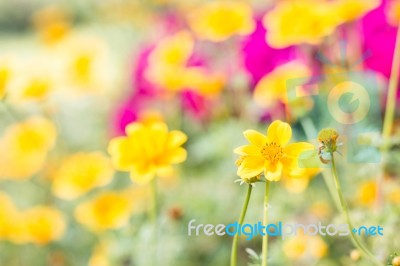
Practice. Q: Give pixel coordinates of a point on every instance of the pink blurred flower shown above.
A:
(379, 40)
(260, 58)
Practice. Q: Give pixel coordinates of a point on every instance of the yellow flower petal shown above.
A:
(296, 149)
(133, 128)
(217, 21)
(123, 154)
(273, 172)
(142, 174)
(175, 156)
(251, 166)
(279, 132)
(254, 137)
(175, 139)
(248, 150)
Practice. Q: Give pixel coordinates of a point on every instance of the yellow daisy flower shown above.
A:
(24, 147)
(272, 88)
(8, 213)
(303, 246)
(350, 10)
(108, 210)
(217, 21)
(271, 154)
(297, 22)
(147, 150)
(44, 224)
(81, 172)
(368, 193)
(173, 50)
(6, 73)
(52, 23)
(168, 67)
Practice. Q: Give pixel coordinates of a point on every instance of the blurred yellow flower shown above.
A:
(100, 255)
(5, 76)
(271, 154)
(302, 246)
(394, 195)
(217, 21)
(199, 80)
(350, 10)
(52, 23)
(296, 22)
(173, 50)
(81, 172)
(168, 67)
(8, 214)
(24, 147)
(393, 12)
(299, 183)
(44, 224)
(321, 209)
(108, 210)
(33, 78)
(147, 150)
(86, 65)
(272, 88)
(367, 193)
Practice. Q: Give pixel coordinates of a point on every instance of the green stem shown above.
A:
(11, 114)
(389, 111)
(311, 133)
(393, 83)
(154, 215)
(241, 219)
(154, 207)
(264, 258)
(356, 241)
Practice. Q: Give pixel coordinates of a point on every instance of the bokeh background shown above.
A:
(74, 74)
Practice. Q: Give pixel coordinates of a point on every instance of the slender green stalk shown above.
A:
(389, 110)
(154, 216)
(311, 132)
(154, 207)
(241, 219)
(356, 241)
(264, 258)
(10, 113)
(393, 83)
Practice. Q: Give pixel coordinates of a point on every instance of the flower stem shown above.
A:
(154, 216)
(154, 207)
(265, 222)
(356, 241)
(393, 83)
(389, 111)
(11, 114)
(241, 219)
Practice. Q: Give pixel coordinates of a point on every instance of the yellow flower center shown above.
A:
(82, 67)
(272, 152)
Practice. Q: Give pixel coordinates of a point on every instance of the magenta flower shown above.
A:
(259, 58)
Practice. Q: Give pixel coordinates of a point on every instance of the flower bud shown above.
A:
(396, 261)
(327, 138)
